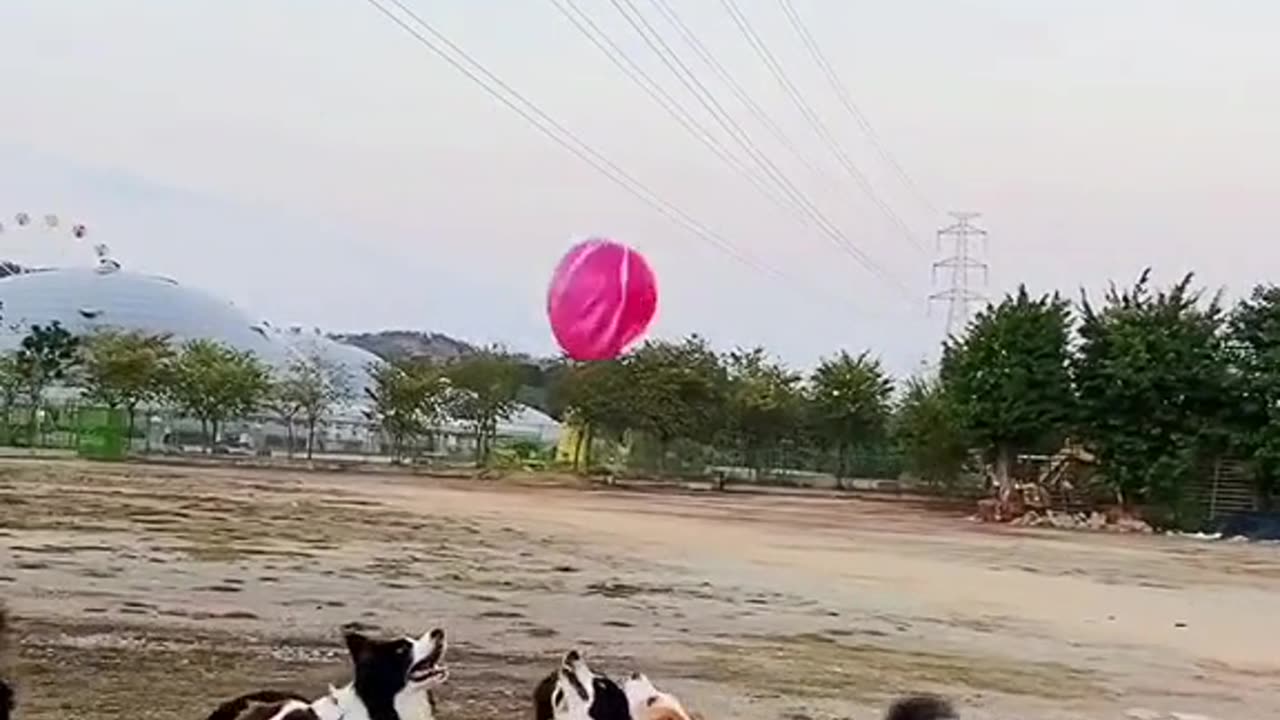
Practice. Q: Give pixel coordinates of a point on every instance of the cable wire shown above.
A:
(779, 74)
(695, 86)
(516, 102)
(846, 99)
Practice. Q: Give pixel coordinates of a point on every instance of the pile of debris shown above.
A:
(1118, 522)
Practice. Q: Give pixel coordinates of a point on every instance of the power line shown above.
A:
(797, 98)
(695, 86)
(846, 99)
(708, 58)
(616, 55)
(516, 102)
(960, 264)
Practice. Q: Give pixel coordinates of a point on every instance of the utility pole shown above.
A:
(960, 265)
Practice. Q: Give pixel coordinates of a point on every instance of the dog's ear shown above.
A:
(357, 644)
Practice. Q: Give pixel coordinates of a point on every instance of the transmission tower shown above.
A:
(960, 265)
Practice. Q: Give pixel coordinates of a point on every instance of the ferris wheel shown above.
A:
(24, 225)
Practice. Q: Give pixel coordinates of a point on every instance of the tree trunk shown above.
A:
(311, 436)
(1004, 466)
(213, 438)
(204, 434)
(290, 437)
(128, 441)
(579, 443)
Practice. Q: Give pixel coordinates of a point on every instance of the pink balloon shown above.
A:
(603, 296)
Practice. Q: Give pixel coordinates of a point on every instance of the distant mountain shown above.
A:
(409, 344)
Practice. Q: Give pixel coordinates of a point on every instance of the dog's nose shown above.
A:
(573, 657)
(635, 676)
(437, 635)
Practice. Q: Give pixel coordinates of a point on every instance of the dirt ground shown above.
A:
(155, 592)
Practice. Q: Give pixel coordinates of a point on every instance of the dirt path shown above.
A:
(160, 587)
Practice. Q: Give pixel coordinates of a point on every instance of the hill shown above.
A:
(409, 344)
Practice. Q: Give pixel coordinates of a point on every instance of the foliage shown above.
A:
(215, 383)
(310, 388)
(595, 397)
(763, 405)
(678, 391)
(47, 354)
(1254, 328)
(485, 385)
(123, 369)
(928, 433)
(1009, 377)
(406, 400)
(849, 404)
(1154, 384)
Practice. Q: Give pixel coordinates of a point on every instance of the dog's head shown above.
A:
(921, 707)
(390, 672)
(575, 692)
(647, 702)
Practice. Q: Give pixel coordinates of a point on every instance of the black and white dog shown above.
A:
(6, 690)
(575, 692)
(393, 681)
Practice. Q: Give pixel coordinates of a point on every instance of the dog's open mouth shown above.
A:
(427, 669)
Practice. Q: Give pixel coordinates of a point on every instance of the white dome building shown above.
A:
(84, 299)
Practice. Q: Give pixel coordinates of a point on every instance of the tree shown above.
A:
(48, 353)
(485, 386)
(1009, 377)
(1154, 387)
(1254, 334)
(284, 399)
(677, 392)
(849, 404)
(11, 385)
(317, 385)
(928, 433)
(763, 407)
(123, 369)
(596, 396)
(215, 383)
(406, 400)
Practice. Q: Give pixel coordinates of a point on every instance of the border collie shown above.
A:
(393, 681)
(7, 701)
(574, 692)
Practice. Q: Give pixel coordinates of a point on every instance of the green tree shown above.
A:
(11, 385)
(1154, 385)
(124, 369)
(215, 383)
(849, 405)
(1009, 377)
(319, 385)
(763, 405)
(485, 385)
(47, 355)
(406, 400)
(928, 433)
(1254, 334)
(677, 392)
(595, 396)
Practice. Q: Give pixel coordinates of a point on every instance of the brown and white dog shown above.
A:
(393, 681)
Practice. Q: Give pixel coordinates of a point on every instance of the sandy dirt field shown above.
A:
(155, 592)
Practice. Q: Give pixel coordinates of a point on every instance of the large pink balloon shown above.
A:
(602, 298)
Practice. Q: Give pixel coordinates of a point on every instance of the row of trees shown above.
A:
(212, 383)
(1156, 381)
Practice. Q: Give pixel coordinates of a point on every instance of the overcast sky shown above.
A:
(312, 162)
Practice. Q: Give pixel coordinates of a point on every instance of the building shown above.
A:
(85, 299)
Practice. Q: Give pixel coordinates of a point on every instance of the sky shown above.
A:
(315, 164)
